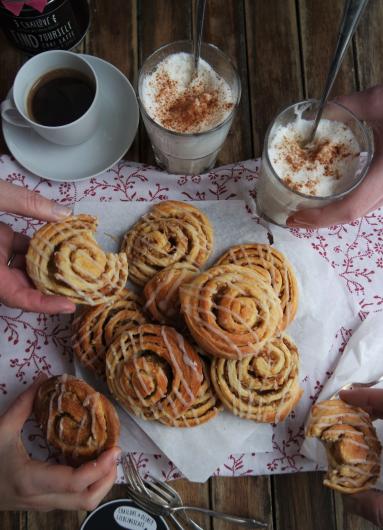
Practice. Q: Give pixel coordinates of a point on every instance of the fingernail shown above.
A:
(60, 211)
(41, 377)
(296, 222)
(68, 310)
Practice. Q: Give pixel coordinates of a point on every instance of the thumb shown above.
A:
(21, 201)
(366, 105)
(369, 399)
(367, 504)
(20, 410)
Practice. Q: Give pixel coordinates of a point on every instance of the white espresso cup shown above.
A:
(14, 110)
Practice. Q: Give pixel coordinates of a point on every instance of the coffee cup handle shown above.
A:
(10, 114)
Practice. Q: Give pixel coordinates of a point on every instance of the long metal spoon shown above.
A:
(351, 15)
(197, 34)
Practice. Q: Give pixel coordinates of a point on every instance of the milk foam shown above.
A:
(179, 104)
(322, 170)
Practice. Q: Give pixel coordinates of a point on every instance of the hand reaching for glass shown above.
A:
(16, 290)
(368, 106)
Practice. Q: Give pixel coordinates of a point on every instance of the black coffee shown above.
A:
(60, 97)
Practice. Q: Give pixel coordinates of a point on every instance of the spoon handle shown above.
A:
(197, 33)
(351, 15)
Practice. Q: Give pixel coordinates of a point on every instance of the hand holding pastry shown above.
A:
(64, 258)
(16, 289)
(27, 484)
(367, 504)
(352, 447)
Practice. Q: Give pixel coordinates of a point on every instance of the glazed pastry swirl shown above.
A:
(162, 292)
(274, 267)
(231, 311)
(353, 449)
(96, 327)
(205, 407)
(64, 259)
(263, 387)
(153, 372)
(171, 232)
(76, 420)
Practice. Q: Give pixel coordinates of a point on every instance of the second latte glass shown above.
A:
(189, 152)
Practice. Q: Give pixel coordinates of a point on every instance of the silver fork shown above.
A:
(160, 507)
(137, 488)
(350, 386)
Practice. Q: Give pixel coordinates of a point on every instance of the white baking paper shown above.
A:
(323, 308)
(361, 362)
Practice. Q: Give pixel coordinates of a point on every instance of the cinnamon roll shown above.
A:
(64, 259)
(263, 387)
(162, 292)
(153, 372)
(205, 407)
(274, 267)
(172, 232)
(352, 447)
(96, 327)
(230, 310)
(76, 420)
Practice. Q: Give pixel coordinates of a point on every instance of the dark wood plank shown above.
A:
(247, 496)
(302, 502)
(56, 519)
(159, 22)
(197, 495)
(113, 37)
(319, 25)
(226, 29)
(369, 45)
(273, 62)
(10, 61)
(347, 521)
(13, 520)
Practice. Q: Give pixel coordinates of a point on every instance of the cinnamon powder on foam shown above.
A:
(198, 107)
(317, 170)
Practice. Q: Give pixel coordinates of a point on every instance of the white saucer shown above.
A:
(117, 128)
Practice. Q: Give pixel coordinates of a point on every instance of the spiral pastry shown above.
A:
(76, 420)
(263, 387)
(274, 267)
(64, 259)
(230, 311)
(352, 447)
(205, 407)
(162, 292)
(171, 232)
(96, 327)
(153, 372)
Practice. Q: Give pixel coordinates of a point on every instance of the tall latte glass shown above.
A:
(187, 118)
(294, 177)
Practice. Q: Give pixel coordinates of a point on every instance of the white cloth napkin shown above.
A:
(361, 362)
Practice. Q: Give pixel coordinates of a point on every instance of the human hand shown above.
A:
(367, 504)
(27, 484)
(368, 106)
(16, 290)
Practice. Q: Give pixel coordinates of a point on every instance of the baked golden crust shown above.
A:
(352, 447)
(172, 232)
(78, 421)
(96, 327)
(230, 310)
(153, 372)
(274, 267)
(205, 407)
(64, 259)
(263, 387)
(162, 292)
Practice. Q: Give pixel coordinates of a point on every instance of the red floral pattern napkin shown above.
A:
(30, 343)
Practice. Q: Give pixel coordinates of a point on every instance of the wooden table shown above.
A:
(282, 50)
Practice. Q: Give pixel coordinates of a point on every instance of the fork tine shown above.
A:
(164, 495)
(130, 473)
(165, 487)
